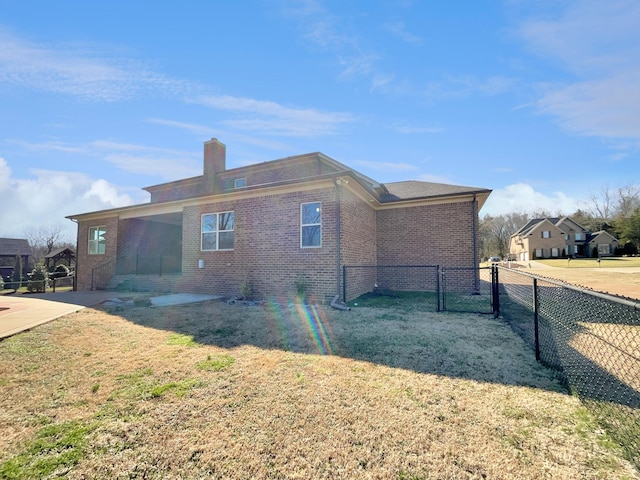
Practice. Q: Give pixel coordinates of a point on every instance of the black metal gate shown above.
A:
(469, 289)
(453, 289)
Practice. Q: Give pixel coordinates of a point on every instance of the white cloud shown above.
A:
(407, 129)
(79, 70)
(522, 198)
(458, 87)
(607, 108)
(141, 159)
(399, 29)
(271, 118)
(48, 196)
(336, 36)
(598, 44)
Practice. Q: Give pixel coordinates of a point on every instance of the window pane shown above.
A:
(311, 236)
(226, 241)
(209, 222)
(97, 243)
(208, 241)
(226, 221)
(311, 213)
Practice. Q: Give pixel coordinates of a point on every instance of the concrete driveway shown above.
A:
(22, 312)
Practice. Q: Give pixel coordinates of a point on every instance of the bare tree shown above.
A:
(43, 239)
(495, 232)
(602, 203)
(628, 200)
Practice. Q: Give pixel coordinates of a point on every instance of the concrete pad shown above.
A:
(23, 312)
(180, 298)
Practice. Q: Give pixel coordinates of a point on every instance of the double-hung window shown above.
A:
(217, 231)
(546, 234)
(311, 225)
(97, 243)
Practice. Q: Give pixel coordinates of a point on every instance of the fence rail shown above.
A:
(590, 338)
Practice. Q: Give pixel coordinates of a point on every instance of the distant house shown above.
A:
(559, 237)
(10, 248)
(273, 223)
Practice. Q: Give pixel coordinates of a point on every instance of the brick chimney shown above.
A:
(215, 154)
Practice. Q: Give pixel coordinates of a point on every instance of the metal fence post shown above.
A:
(495, 290)
(536, 331)
(437, 288)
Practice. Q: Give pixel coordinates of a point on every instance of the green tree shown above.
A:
(628, 228)
(17, 271)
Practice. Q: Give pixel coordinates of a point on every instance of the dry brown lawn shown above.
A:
(609, 277)
(223, 391)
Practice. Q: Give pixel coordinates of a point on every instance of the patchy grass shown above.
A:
(219, 391)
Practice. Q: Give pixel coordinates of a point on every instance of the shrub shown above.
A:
(245, 289)
(301, 286)
(38, 279)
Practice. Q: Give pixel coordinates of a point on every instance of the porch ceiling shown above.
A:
(174, 218)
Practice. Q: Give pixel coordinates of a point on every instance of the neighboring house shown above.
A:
(602, 242)
(10, 248)
(272, 223)
(558, 237)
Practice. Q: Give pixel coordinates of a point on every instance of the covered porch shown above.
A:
(150, 245)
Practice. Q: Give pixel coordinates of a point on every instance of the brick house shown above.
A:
(558, 237)
(271, 224)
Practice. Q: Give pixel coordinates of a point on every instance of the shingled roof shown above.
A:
(415, 189)
(14, 246)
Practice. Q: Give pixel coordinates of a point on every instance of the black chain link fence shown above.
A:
(454, 289)
(591, 339)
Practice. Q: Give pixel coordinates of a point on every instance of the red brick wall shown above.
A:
(358, 243)
(266, 250)
(85, 262)
(272, 174)
(427, 235)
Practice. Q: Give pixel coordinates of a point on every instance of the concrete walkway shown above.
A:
(22, 312)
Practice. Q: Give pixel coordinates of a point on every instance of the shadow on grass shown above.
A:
(397, 332)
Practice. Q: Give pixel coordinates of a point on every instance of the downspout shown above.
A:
(338, 232)
(334, 302)
(474, 222)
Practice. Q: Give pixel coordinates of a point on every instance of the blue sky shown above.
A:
(538, 100)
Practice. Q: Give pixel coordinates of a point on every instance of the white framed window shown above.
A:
(97, 242)
(539, 252)
(546, 234)
(604, 249)
(554, 252)
(239, 183)
(311, 225)
(579, 236)
(217, 231)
